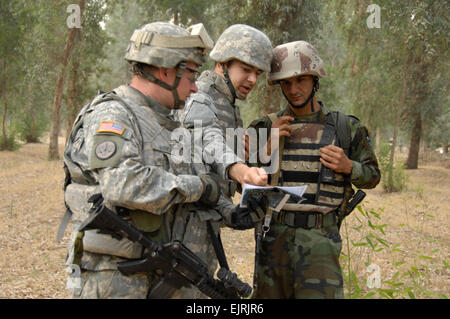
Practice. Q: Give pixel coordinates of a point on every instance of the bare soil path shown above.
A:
(31, 206)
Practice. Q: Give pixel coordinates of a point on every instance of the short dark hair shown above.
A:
(136, 68)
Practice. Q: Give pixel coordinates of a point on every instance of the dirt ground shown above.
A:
(416, 224)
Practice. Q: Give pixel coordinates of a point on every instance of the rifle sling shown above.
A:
(218, 247)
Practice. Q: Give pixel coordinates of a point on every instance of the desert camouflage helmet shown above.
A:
(244, 43)
(293, 59)
(163, 44)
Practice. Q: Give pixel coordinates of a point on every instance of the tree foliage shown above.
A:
(394, 78)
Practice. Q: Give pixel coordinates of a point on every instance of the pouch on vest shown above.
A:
(145, 221)
(104, 244)
(327, 175)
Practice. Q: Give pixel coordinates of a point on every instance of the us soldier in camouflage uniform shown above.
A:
(242, 53)
(327, 151)
(120, 146)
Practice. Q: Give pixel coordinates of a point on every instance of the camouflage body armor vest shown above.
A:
(78, 184)
(300, 165)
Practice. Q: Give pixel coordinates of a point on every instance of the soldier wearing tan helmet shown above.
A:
(119, 149)
(242, 53)
(327, 151)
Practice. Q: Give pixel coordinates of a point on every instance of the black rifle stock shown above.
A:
(356, 199)
(350, 206)
(180, 265)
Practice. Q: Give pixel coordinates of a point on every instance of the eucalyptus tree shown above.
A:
(15, 21)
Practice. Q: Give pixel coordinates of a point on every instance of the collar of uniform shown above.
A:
(213, 79)
(311, 117)
(161, 112)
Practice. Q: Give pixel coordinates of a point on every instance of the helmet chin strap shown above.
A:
(172, 88)
(228, 82)
(313, 92)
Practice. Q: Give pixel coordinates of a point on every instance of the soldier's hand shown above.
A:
(243, 174)
(283, 126)
(246, 218)
(211, 190)
(334, 158)
(255, 176)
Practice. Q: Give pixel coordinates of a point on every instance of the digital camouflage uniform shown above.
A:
(299, 256)
(120, 146)
(212, 87)
(215, 99)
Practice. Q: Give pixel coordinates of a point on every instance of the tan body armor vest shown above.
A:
(300, 165)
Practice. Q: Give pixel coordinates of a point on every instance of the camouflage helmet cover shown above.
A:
(246, 44)
(293, 59)
(163, 44)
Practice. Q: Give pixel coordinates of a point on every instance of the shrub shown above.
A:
(10, 144)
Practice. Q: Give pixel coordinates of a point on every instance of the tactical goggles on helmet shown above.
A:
(199, 38)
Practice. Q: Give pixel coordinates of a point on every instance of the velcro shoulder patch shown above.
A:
(111, 127)
(106, 151)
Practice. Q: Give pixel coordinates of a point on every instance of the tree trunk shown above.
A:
(414, 145)
(53, 152)
(272, 100)
(377, 140)
(31, 136)
(398, 113)
(4, 145)
(72, 95)
(268, 99)
(176, 17)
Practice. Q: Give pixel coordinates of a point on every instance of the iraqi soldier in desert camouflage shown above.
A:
(120, 147)
(327, 151)
(242, 53)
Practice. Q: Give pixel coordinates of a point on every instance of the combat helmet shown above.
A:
(294, 59)
(243, 43)
(163, 44)
(166, 45)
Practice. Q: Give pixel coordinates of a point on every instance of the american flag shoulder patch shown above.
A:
(111, 127)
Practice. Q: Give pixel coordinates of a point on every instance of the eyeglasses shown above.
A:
(196, 74)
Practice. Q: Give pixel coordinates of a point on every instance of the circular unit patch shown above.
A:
(105, 150)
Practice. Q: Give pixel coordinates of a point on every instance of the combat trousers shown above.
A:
(298, 263)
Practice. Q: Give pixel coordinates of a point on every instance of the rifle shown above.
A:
(181, 267)
(350, 206)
